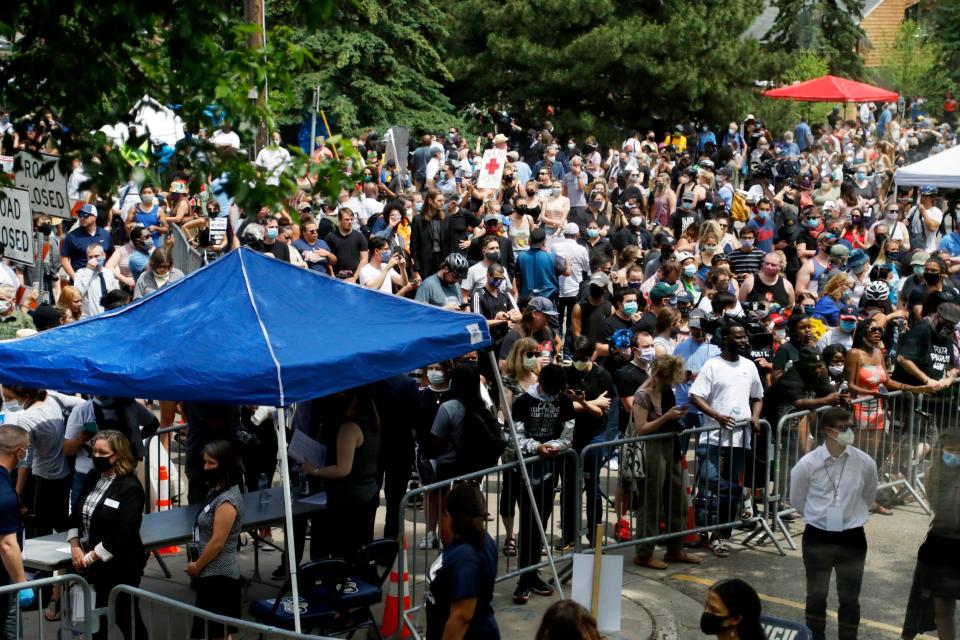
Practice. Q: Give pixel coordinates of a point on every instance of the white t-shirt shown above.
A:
(477, 278)
(81, 415)
(727, 387)
(835, 336)
(273, 160)
(933, 239)
(579, 260)
(369, 273)
(8, 275)
(225, 139)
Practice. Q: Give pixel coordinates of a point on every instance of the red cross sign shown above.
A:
(492, 166)
(494, 160)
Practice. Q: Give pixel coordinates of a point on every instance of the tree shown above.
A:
(944, 21)
(613, 61)
(783, 115)
(90, 61)
(376, 65)
(828, 27)
(914, 65)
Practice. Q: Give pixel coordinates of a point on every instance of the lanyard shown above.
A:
(836, 485)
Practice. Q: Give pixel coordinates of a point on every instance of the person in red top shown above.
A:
(950, 109)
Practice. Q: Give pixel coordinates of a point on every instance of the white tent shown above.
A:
(940, 170)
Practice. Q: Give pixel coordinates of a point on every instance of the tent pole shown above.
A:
(523, 471)
(288, 517)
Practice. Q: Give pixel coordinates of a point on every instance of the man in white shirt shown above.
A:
(729, 393)
(380, 273)
(833, 487)
(273, 158)
(924, 220)
(226, 137)
(577, 257)
(433, 166)
(93, 281)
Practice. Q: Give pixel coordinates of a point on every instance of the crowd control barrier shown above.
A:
(185, 257)
(77, 617)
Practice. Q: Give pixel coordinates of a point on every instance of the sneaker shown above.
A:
(521, 595)
(563, 546)
(539, 587)
(429, 541)
(621, 533)
(720, 548)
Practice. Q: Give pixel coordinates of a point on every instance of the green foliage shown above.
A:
(621, 62)
(783, 115)
(376, 64)
(945, 29)
(90, 61)
(828, 27)
(914, 65)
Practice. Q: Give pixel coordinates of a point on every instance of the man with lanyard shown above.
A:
(14, 443)
(808, 278)
(729, 393)
(833, 487)
(73, 249)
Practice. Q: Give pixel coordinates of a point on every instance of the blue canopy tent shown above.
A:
(247, 329)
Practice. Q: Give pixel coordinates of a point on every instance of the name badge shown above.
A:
(206, 509)
(113, 504)
(834, 518)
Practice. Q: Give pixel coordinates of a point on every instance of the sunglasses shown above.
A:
(309, 230)
(875, 329)
(531, 354)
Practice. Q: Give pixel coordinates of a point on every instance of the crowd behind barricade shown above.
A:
(703, 280)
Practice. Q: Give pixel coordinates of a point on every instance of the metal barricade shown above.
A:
(506, 497)
(168, 618)
(699, 481)
(185, 257)
(77, 617)
(933, 414)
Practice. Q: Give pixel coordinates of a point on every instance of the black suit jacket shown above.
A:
(421, 248)
(116, 528)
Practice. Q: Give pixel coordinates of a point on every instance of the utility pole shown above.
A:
(255, 14)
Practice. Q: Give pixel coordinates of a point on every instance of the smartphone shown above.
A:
(193, 551)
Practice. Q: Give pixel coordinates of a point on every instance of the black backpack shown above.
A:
(481, 442)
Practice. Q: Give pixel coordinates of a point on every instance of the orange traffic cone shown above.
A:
(692, 538)
(163, 503)
(391, 620)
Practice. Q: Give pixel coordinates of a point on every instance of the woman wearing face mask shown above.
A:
(688, 275)
(835, 295)
(668, 321)
(119, 262)
(521, 224)
(105, 530)
(529, 202)
(707, 247)
(826, 192)
(521, 371)
(664, 201)
(849, 200)
(865, 187)
(434, 391)
(732, 611)
(159, 273)
(865, 372)
(216, 571)
(937, 573)
(855, 231)
(148, 213)
(556, 206)
(835, 357)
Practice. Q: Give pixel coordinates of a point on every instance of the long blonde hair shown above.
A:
(126, 461)
(514, 365)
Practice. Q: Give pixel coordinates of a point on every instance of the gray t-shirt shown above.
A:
(575, 185)
(449, 424)
(44, 423)
(226, 562)
(434, 292)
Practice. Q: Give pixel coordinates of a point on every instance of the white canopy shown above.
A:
(941, 170)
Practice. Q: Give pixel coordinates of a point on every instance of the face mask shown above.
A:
(746, 244)
(101, 463)
(808, 309)
(771, 271)
(780, 334)
(531, 192)
(10, 406)
(555, 191)
(646, 354)
(848, 326)
(951, 459)
(596, 291)
(931, 278)
(273, 233)
(546, 397)
(596, 204)
(712, 624)
(5, 306)
(709, 248)
(530, 364)
(593, 233)
(880, 239)
(418, 207)
(762, 214)
(493, 256)
(571, 146)
(100, 263)
(45, 228)
(636, 221)
(861, 175)
(731, 132)
(496, 283)
(687, 204)
(435, 378)
(690, 270)
(943, 330)
(812, 223)
(385, 255)
(836, 370)
(147, 200)
(630, 308)
(894, 255)
(161, 280)
(891, 218)
(845, 438)
(918, 269)
(581, 366)
(855, 220)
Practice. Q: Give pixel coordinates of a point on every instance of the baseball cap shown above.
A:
(600, 279)
(45, 317)
(696, 318)
(663, 290)
(689, 196)
(543, 305)
(665, 239)
(491, 217)
(949, 312)
(776, 318)
(513, 156)
(684, 297)
(538, 236)
(809, 356)
(839, 251)
(680, 256)
(849, 313)
(571, 229)
(829, 205)
(920, 257)
(87, 210)
(750, 117)
(506, 209)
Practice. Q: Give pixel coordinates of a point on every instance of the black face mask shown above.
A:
(711, 624)
(493, 256)
(45, 228)
(596, 291)
(931, 278)
(943, 330)
(211, 476)
(101, 463)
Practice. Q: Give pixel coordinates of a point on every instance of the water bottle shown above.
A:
(264, 484)
(26, 597)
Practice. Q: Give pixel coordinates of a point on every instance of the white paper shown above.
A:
(491, 168)
(611, 586)
(319, 499)
(304, 449)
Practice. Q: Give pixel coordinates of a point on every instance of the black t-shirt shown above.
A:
(792, 386)
(628, 379)
(588, 313)
(542, 421)
(647, 322)
(927, 350)
(279, 250)
(787, 354)
(9, 515)
(347, 249)
(603, 246)
(592, 383)
(463, 572)
(489, 306)
(681, 220)
(791, 235)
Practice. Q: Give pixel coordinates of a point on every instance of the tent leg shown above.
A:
(523, 471)
(288, 517)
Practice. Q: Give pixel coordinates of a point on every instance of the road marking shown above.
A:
(707, 582)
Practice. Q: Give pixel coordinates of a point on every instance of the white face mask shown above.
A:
(161, 280)
(5, 306)
(646, 355)
(10, 406)
(845, 438)
(530, 364)
(836, 370)
(435, 378)
(581, 366)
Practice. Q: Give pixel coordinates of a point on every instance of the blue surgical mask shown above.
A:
(546, 397)
(100, 263)
(848, 326)
(593, 233)
(918, 269)
(951, 459)
(385, 255)
(418, 206)
(630, 308)
(273, 233)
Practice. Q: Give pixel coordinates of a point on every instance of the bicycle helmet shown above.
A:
(456, 263)
(877, 291)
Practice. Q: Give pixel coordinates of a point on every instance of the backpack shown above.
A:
(916, 229)
(481, 442)
(633, 462)
(738, 208)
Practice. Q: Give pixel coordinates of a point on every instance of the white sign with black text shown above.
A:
(16, 226)
(41, 176)
(218, 229)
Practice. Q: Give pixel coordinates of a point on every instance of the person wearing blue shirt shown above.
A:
(804, 135)
(950, 244)
(536, 269)
(763, 226)
(73, 249)
(315, 251)
(694, 352)
(706, 137)
(883, 121)
(460, 581)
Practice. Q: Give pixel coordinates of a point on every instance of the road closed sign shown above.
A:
(16, 225)
(46, 184)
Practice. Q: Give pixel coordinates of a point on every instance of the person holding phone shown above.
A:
(655, 411)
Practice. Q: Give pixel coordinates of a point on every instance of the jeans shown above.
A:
(720, 474)
(543, 481)
(824, 552)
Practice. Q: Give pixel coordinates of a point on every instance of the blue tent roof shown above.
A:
(247, 329)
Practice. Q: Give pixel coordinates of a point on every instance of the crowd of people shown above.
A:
(697, 279)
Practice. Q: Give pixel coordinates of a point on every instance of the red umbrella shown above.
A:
(832, 89)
